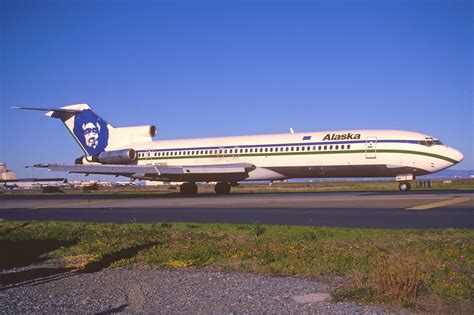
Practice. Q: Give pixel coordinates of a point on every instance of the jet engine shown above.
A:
(126, 156)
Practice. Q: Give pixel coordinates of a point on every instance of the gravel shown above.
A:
(146, 289)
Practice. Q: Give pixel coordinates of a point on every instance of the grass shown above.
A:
(430, 270)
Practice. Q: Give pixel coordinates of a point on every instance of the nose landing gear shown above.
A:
(404, 186)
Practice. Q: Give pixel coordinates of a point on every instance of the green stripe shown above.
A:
(297, 153)
(441, 157)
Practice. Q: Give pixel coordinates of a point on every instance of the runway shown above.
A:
(415, 209)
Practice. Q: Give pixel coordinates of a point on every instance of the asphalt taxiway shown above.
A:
(415, 209)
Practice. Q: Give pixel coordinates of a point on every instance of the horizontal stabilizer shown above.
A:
(64, 110)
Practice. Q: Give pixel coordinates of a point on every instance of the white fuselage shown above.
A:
(348, 153)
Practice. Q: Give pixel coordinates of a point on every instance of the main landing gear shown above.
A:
(222, 188)
(404, 186)
(188, 189)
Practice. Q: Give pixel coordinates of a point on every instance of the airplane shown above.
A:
(132, 152)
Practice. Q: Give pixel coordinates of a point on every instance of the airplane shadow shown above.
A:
(31, 252)
(20, 253)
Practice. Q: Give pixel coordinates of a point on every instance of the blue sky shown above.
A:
(214, 68)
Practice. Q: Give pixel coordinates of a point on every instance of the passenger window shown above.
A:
(348, 146)
(297, 148)
(330, 147)
(286, 149)
(337, 147)
(246, 150)
(271, 149)
(230, 151)
(302, 148)
(266, 149)
(292, 148)
(261, 149)
(342, 147)
(325, 147)
(319, 148)
(314, 148)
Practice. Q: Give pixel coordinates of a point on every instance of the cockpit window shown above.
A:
(429, 142)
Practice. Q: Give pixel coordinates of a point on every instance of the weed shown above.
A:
(166, 225)
(258, 229)
(399, 278)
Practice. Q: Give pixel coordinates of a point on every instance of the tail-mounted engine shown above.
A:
(126, 156)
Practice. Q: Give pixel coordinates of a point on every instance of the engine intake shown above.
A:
(126, 156)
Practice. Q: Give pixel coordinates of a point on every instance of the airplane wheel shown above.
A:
(404, 186)
(222, 188)
(188, 189)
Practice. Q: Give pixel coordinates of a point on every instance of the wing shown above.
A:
(196, 173)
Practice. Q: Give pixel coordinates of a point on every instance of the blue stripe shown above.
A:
(277, 145)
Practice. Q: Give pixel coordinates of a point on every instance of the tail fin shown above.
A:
(89, 130)
(93, 134)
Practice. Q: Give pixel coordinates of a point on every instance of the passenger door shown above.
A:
(371, 148)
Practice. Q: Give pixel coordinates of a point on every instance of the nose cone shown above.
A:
(456, 155)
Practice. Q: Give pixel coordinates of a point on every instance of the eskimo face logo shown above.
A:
(91, 134)
(91, 131)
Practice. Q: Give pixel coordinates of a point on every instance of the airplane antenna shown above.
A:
(291, 130)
